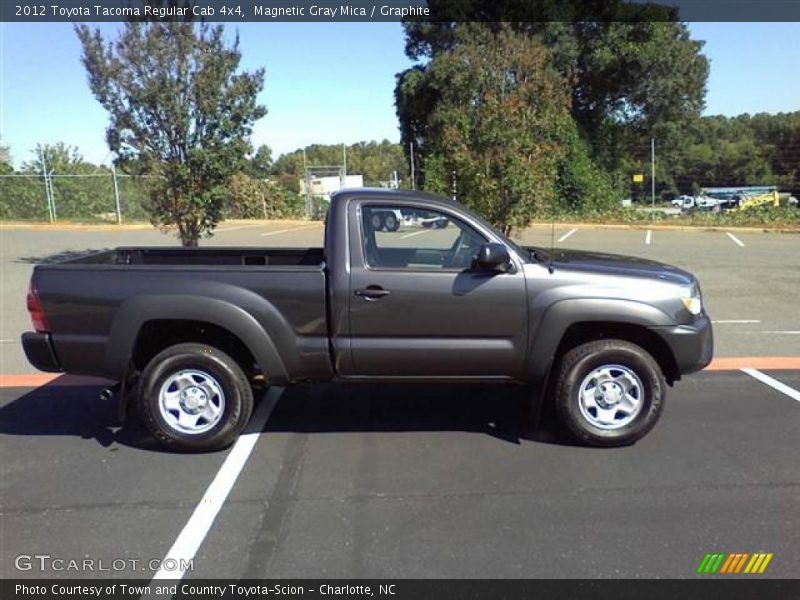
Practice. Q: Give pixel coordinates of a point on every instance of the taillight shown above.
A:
(38, 318)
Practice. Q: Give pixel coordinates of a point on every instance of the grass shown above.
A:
(783, 218)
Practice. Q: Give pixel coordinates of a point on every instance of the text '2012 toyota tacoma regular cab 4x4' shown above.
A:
(187, 331)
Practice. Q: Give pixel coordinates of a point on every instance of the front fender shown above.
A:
(558, 317)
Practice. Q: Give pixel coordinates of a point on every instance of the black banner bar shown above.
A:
(733, 588)
(241, 11)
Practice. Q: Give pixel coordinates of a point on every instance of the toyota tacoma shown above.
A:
(188, 332)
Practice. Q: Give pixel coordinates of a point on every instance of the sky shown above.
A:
(334, 82)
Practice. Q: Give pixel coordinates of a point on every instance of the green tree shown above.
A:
(251, 198)
(580, 184)
(632, 69)
(499, 123)
(5, 160)
(60, 159)
(720, 152)
(780, 136)
(22, 197)
(179, 111)
(260, 164)
(81, 190)
(376, 161)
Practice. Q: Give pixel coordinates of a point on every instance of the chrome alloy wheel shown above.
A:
(191, 401)
(611, 396)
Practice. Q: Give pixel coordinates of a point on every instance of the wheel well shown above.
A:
(155, 336)
(580, 333)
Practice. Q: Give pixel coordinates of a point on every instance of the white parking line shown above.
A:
(408, 235)
(237, 227)
(773, 383)
(735, 239)
(566, 235)
(736, 322)
(290, 229)
(194, 532)
(767, 332)
(648, 237)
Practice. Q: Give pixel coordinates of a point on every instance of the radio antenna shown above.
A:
(552, 239)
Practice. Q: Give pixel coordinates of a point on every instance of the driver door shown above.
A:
(416, 308)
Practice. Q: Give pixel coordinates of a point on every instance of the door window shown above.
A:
(402, 237)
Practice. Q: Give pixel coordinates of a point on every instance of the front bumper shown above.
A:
(39, 351)
(692, 345)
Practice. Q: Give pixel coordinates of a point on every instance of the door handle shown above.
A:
(372, 292)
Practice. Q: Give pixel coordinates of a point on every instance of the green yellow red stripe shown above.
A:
(741, 562)
(734, 562)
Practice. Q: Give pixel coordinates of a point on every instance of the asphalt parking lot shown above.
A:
(399, 481)
(368, 481)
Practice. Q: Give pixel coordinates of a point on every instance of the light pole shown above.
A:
(653, 171)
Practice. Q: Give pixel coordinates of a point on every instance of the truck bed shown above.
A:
(220, 256)
(91, 300)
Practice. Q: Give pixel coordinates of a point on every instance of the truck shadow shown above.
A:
(500, 411)
(59, 256)
(61, 408)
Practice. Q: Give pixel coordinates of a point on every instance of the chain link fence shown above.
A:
(110, 197)
(93, 198)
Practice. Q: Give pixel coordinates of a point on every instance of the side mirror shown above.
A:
(492, 258)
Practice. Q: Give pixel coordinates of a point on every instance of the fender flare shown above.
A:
(561, 315)
(135, 312)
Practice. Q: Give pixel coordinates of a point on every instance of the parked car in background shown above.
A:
(387, 220)
(683, 202)
(706, 203)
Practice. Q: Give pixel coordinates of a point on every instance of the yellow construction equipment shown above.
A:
(770, 199)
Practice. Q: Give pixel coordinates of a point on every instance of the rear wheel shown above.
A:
(194, 397)
(609, 392)
(377, 221)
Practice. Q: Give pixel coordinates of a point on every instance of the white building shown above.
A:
(325, 186)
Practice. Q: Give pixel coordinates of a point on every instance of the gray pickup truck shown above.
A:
(188, 332)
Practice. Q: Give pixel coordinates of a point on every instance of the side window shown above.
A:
(404, 237)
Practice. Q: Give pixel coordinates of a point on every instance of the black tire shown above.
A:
(441, 223)
(391, 222)
(574, 368)
(377, 221)
(222, 370)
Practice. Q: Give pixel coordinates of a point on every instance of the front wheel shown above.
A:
(391, 222)
(194, 397)
(609, 392)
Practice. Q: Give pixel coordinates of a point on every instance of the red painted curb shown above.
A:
(767, 363)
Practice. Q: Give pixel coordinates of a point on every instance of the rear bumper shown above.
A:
(691, 345)
(39, 351)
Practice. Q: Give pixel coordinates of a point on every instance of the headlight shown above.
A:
(692, 299)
